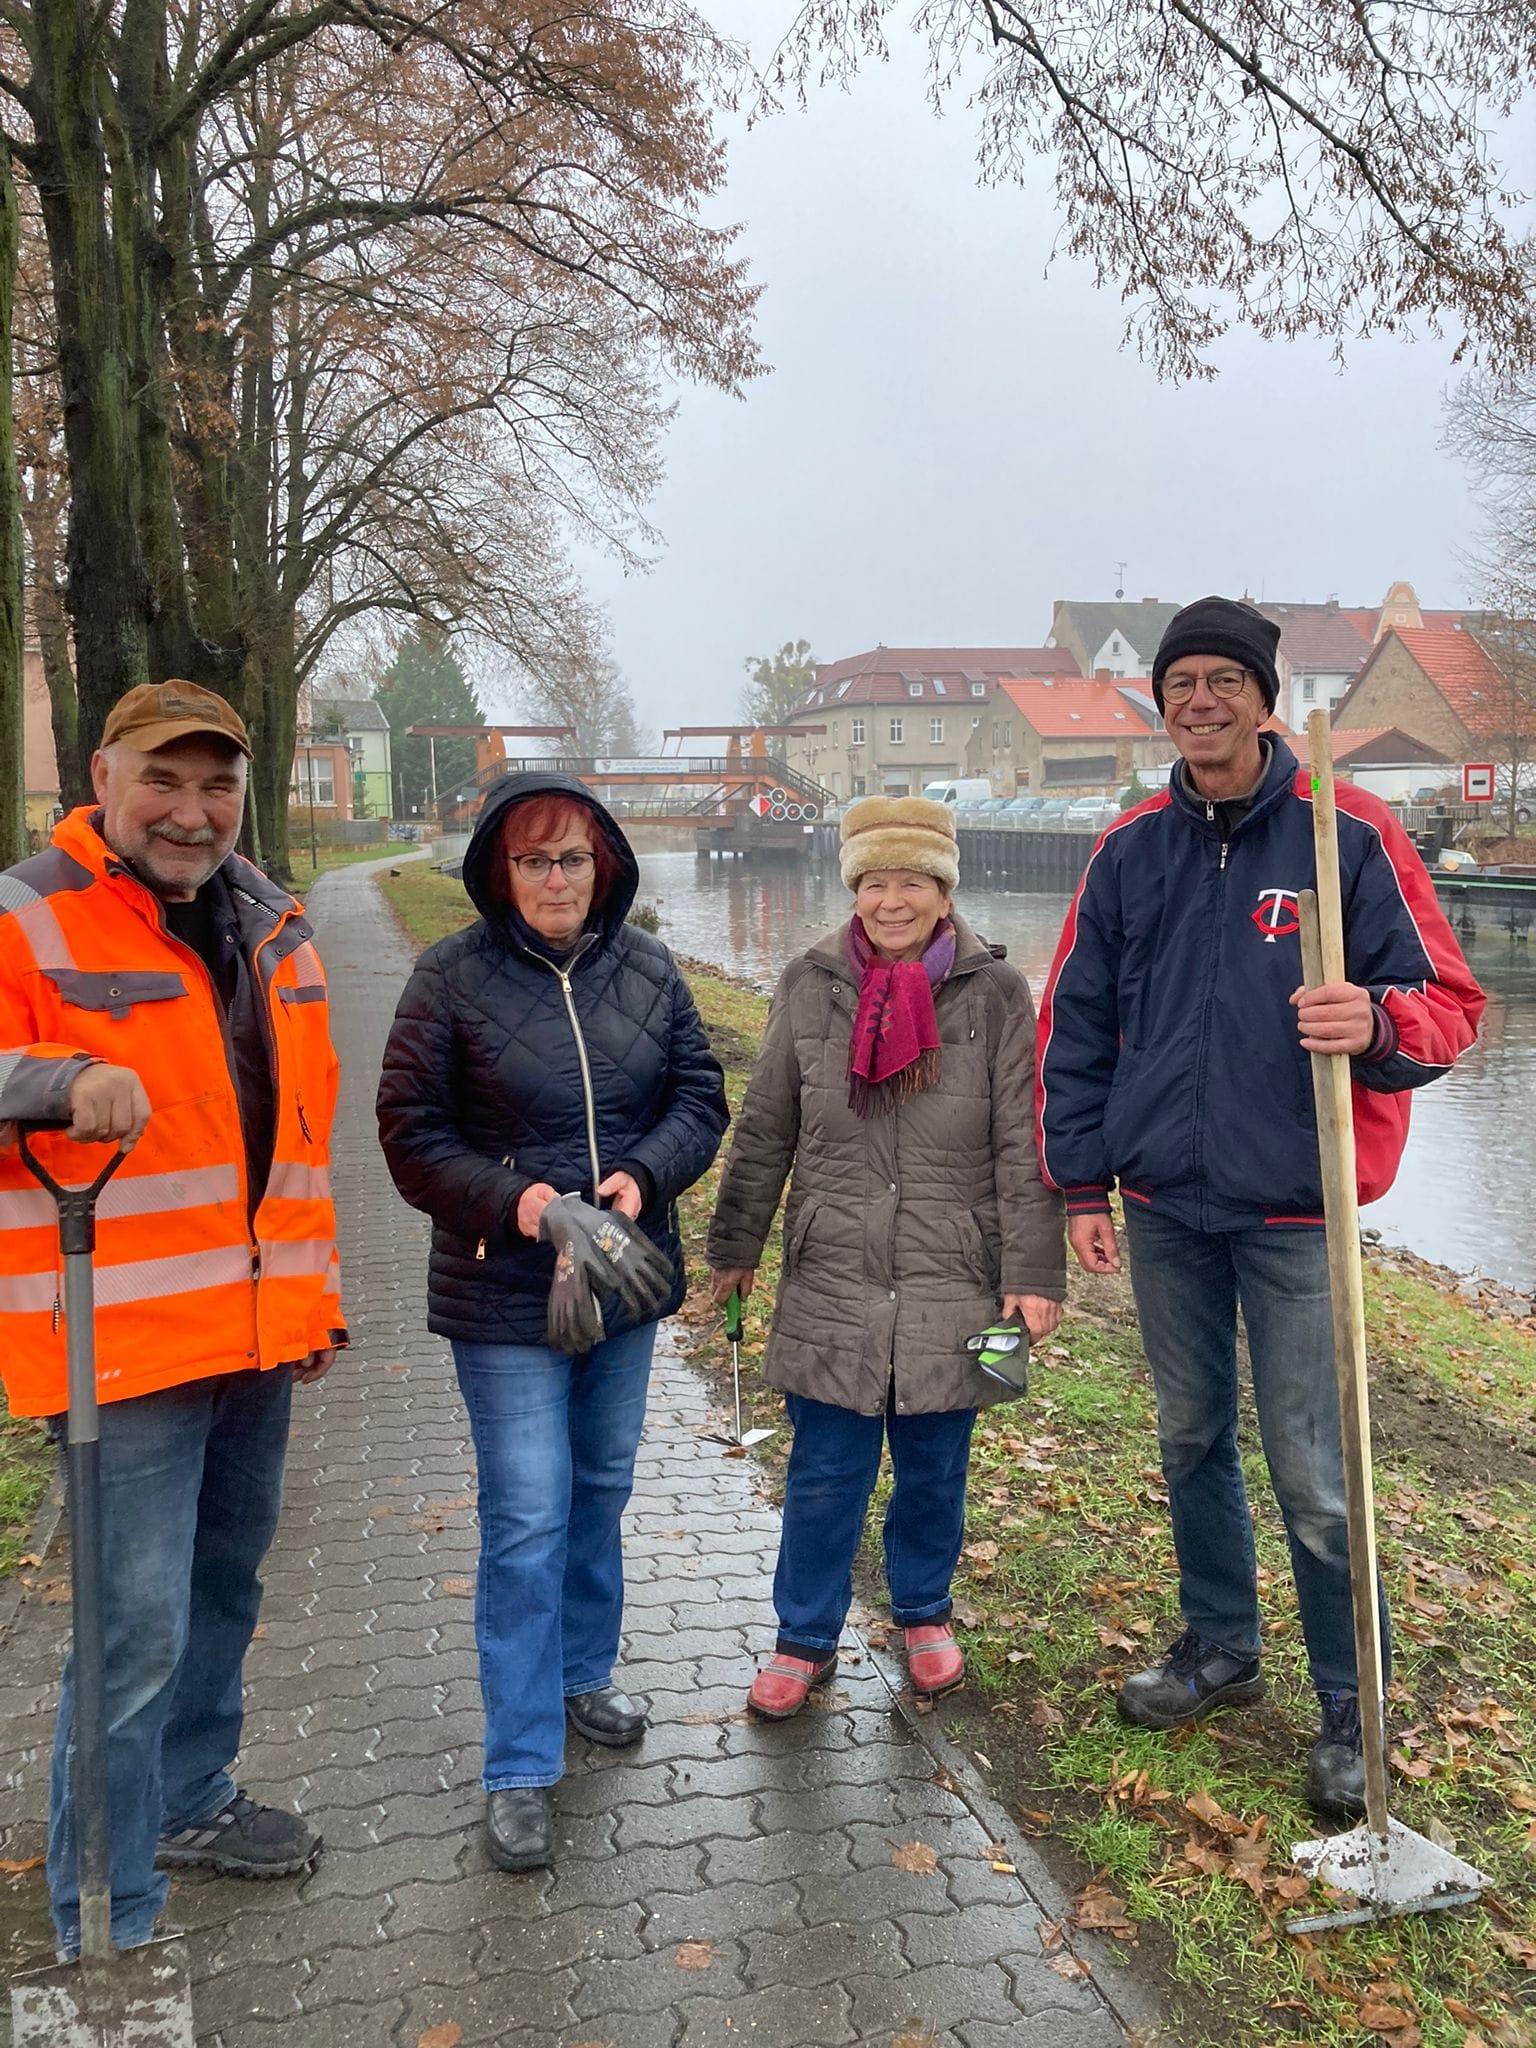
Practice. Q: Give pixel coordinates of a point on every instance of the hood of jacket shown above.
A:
(605, 918)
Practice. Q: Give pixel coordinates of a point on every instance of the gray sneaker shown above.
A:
(242, 1840)
(1336, 1766)
(1193, 1679)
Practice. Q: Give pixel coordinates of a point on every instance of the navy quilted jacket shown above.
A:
(482, 1093)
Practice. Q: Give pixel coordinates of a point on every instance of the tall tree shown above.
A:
(776, 682)
(1298, 168)
(584, 688)
(425, 684)
(13, 800)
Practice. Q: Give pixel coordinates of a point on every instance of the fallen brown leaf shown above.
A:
(1383, 2019)
(916, 1857)
(1205, 1808)
(1097, 1908)
(447, 2034)
(983, 1552)
(1516, 1947)
(694, 1955)
(13, 1867)
(1043, 1715)
(1068, 1967)
(456, 1585)
(1462, 2013)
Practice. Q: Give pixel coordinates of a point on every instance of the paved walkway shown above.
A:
(724, 1882)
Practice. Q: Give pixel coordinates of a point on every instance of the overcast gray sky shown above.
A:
(953, 436)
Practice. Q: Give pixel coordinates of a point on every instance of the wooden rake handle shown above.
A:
(1322, 954)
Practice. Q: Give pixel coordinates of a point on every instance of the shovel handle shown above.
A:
(733, 1316)
(76, 1205)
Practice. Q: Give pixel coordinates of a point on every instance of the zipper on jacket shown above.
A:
(586, 1071)
(1197, 1121)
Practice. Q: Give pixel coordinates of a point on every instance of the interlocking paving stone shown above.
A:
(770, 1843)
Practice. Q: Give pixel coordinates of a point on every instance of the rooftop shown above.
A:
(930, 675)
(1074, 709)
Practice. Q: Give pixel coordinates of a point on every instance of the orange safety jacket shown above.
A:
(188, 1285)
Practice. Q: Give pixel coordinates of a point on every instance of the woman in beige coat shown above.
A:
(895, 1093)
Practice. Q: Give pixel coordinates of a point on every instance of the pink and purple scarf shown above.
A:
(894, 1051)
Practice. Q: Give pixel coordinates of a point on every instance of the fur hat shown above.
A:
(899, 832)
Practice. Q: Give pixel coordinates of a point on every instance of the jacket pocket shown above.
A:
(978, 1253)
(115, 992)
(794, 1244)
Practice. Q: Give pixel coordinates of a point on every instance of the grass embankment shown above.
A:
(1178, 1844)
(26, 1464)
(307, 871)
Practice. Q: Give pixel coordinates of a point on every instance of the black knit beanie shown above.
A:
(1219, 625)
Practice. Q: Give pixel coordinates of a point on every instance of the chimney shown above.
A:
(1102, 675)
(1151, 600)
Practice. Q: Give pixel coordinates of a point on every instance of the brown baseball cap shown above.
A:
(154, 714)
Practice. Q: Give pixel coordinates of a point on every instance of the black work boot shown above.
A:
(519, 1833)
(1336, 1767)
(1194, 1678)
(243, 1839)
(608, 1716)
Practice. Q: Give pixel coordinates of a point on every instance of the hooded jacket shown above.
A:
(508, 1065)
(1170, 1058)
(197, 1273)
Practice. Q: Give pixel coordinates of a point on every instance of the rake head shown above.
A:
(1386, 1876)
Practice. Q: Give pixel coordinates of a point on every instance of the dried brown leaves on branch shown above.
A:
(1313, 168)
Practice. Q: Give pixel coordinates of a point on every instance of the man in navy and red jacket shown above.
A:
(1175, 1042)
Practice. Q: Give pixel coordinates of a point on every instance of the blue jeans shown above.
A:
(1189, 1285)
(833, 1465)
(555, 1441)
(191, 1483)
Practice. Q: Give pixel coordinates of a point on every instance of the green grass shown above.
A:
(26, 1465)
(428, 905)
(306, 871)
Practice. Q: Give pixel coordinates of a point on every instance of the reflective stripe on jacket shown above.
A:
(186, 1286)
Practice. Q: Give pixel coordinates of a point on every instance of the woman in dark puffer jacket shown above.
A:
(548, 1049)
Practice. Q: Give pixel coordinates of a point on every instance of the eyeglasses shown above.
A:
(1229, 682)
(535, 867)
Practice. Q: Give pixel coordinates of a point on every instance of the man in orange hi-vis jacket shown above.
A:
(158, 991)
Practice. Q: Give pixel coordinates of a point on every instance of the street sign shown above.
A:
(761, 805)
(1477, 783)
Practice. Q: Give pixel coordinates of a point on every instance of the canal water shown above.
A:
(1463, 1195)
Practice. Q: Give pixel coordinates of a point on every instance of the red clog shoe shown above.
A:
(935, 1661)
(783, 1685)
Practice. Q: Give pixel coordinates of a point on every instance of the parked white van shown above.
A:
(966, 789)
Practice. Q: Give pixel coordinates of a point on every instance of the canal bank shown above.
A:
(1177, 1846)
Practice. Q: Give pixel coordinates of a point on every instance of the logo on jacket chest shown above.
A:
(1277, 914)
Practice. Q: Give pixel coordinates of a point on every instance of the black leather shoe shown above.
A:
(607, 1716)
(1193, 1679)
(518, 1830)
(1336, 1767)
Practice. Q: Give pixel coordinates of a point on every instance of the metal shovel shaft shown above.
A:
(83, 1470)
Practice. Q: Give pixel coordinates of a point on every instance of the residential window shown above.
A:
(1007, 732)
(996, 730)
(1309, 689)
(914, 689)
(856, 732)
(898, 732)
(978, 689)
(320, 768)
(936, 730)
(858, 786)
(940, 689)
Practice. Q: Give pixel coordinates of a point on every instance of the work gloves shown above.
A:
(598, 1253)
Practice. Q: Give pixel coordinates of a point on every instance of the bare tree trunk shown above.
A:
(13, 794)
(52, 624)
(105, 590)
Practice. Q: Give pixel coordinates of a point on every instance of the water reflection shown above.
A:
(1462, 1194)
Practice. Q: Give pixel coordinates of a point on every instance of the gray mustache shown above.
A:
(204, 836)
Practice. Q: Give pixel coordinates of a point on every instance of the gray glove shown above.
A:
(597, 1254)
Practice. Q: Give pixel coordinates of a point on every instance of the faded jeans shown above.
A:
(191, 1485)
(833, 1464)
(1189, 1285)
(555, 1442)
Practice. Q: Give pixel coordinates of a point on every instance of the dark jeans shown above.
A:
(191, 1482)
(555, 1442)
(833, 1465)
(1189, 1285)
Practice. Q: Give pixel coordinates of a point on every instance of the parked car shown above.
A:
(1451, 860)
(1091, 813)
(1052, 814)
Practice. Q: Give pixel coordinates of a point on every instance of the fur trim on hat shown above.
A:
(899, 832)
